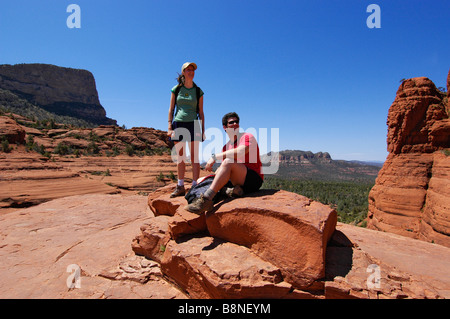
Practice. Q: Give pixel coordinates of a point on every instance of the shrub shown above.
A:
(129, 149)
(62, 149)
(92, 148)
(5, 146)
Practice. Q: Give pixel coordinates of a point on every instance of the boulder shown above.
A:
(287, 230)
(182, 222)
(153, 239)
(105, 131)
(276, 244)
(206, 267)
(11, 131)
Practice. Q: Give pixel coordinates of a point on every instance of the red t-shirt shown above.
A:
(252, 159)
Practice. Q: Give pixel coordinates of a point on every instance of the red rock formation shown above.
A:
(256, 247)
(411, 196)
(11, 131)
(93, 232)
(286, 230)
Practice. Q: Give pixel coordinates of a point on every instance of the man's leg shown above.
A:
(228, 171)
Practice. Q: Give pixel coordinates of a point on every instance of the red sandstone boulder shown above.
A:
(182, 222)
(286, 229)
(10, 130)
(153, 238)
(206, 267)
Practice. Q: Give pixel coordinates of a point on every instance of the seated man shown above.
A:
(241, 165)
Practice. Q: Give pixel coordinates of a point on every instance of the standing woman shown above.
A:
(187, 125)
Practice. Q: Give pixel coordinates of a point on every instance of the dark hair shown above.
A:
(227, 116)
(180, 79)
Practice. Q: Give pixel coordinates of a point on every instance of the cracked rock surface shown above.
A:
(45, 249)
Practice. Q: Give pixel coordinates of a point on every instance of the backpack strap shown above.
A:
(197, 92)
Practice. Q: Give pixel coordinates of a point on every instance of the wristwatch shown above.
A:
(213, 156)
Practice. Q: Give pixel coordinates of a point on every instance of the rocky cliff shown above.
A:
(306, 165)
(296, 157)
(412, 194)
(59, 90)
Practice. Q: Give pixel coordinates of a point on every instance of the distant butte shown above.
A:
(59, 90)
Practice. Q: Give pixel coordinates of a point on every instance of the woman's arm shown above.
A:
(201, 115)
(171, 109)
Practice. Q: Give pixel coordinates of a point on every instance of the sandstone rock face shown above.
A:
(33, 171)
(371, 264)
(63, 91)
(42, 246)
(11, 131)
(28, 178)
(417, 106)
(411, 194)
(256, 247)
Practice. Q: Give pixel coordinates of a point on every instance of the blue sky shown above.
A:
(312, 69)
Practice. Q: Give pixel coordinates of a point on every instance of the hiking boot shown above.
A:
(200, 205)
(235, 191)
(179, 191)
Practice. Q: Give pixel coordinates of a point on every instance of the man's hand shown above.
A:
(209, 165)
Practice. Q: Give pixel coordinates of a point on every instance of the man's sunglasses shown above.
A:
(233, 122)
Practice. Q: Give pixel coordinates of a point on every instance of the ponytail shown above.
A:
(180, 79)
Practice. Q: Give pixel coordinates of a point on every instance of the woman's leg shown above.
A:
(181, 170)
(194, 150)
(181, 164)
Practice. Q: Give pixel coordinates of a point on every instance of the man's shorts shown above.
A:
(253, 181)
(187, 132)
